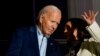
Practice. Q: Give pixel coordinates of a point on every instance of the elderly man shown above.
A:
(36, 40)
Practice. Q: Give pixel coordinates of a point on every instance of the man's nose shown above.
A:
(54, 26)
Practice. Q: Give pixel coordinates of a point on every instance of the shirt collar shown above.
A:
(39, 32)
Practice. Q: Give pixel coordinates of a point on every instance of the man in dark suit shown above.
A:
(36, 40)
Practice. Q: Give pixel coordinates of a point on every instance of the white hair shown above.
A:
(49, 8)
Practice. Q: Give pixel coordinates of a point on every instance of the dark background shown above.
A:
(19, 13)
(14, 14)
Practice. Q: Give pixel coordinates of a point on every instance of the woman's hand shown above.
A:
(90, 16)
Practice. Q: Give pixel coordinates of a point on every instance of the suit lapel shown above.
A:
(35, 40)
(49, 48)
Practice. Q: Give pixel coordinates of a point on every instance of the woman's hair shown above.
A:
(80, 25)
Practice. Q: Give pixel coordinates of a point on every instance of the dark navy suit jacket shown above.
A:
(25, 43)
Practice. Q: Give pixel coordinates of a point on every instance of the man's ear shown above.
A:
(41, 19)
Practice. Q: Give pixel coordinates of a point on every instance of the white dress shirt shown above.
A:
(42, 42)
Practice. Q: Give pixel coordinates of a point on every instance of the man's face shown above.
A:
(49, 22)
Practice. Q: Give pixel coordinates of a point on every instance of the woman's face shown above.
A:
(70, 31)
